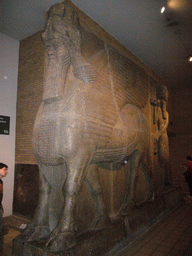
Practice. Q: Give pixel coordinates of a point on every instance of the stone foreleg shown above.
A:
(39, 226)
(63, 236)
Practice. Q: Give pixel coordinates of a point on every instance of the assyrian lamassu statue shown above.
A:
(90, 116)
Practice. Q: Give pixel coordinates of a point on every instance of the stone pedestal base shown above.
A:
(119, 234)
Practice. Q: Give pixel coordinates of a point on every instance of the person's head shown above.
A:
(189, 158)
(3, 170)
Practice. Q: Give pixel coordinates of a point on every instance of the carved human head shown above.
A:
(63, 23)
(162, 92)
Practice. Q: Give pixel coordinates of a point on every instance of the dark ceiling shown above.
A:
(162, 41)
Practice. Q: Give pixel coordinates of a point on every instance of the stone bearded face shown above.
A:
(62, 38)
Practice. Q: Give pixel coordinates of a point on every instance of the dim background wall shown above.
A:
(181, 144)
(9, 53)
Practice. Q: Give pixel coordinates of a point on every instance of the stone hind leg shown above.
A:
(146, 168)
(101, 219)
(131, 184)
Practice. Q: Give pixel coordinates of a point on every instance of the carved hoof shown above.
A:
(167, 186)
(35, 233)
(61, 242)
(126, 209)
(150, 197)
(101, 222)
(27, 234)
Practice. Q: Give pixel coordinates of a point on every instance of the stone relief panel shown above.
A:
(95, 136)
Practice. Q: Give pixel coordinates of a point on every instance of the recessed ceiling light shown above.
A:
(190, 59)
(163, 9)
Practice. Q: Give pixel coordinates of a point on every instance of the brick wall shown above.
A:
(30, 81)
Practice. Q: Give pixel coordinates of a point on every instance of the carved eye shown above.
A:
(55, 45)
(47, 46)
(67, 33)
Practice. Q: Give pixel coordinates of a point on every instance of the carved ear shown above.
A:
(84, 71)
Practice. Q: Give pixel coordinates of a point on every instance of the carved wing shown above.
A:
(130, 81)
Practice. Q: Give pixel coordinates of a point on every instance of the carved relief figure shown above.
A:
(87, 118)
(161, 140)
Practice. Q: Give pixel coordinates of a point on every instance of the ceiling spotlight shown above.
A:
(190, 59)
(163, 9)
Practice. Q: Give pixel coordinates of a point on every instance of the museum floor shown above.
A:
(171, 236)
